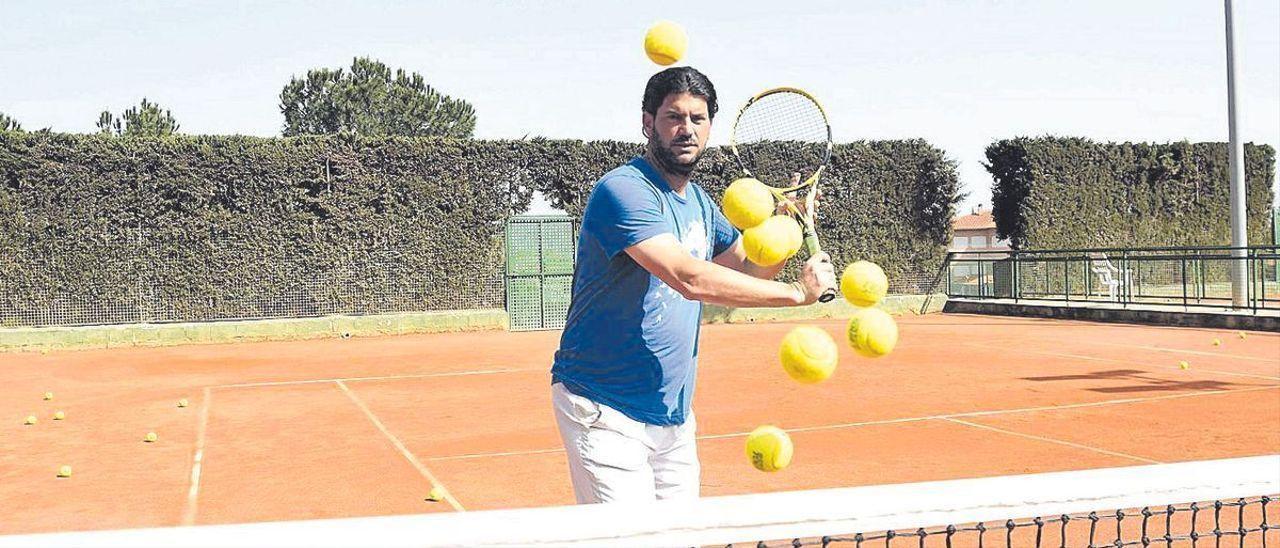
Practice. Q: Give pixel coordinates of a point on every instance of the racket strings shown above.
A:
(783, 116)
(779, 134)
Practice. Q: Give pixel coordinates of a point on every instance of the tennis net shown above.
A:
(1228, 502)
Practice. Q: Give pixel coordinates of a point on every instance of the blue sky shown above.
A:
(957, 73)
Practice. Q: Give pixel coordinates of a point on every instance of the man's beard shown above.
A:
(667, 160)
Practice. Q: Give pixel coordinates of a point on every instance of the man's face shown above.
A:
(678, 133)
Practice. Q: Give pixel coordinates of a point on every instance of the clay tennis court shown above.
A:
(365, 426)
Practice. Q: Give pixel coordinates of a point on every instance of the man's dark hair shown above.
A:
(678, 80)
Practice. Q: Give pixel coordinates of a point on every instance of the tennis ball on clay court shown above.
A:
(1242, 335)
(436, 494)
(48, 396)
(31, 419)
(64, 471)
(1184, 365)
(1217, 342)
(182, 402)
(872, 332)
(863, 283)
(809, 354)
(769, 448)
(150, 437)
(773, 241)
(59, 415)
(747, 203)
(665, 42)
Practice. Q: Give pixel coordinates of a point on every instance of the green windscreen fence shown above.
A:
(540, 252)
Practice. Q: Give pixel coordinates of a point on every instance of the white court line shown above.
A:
(1016, 410)
(1126, 362)
(193, 493)
(1180, 351)
(1054, 440)
(448, 495)
(378, 378)
(950, 416)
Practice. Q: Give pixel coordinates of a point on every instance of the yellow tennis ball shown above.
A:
(64, 471)
(1217, 342)
(863, 283)
(1184, 365)
(31, 419)
(150, 437)
(1242, 335)
(769, 448)
(872, 332)
(747, 203)
(665, 43)
(182, 402)
(773, 241)
(59, 415)
(809, 354)
(436, 494)
(794, 233)
(48, 396)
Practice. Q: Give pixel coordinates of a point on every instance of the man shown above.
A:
(653, 247)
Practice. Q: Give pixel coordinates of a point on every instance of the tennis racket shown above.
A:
(780, 132)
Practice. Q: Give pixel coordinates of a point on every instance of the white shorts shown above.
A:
(613, 457)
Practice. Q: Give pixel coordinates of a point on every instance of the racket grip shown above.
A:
(811, 243)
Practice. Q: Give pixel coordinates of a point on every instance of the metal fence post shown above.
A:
(1183, 261)
(1200, 286)
(1066, 278)
(1088, 282)
(542, 279)
(982, 281)
(947, 266)
(142, 300)
(1125, 281)
(1014, 281)
(1254, 271)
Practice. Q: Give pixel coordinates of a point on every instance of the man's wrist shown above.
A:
(802, 296)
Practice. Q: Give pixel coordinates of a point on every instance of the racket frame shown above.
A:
(811, 242)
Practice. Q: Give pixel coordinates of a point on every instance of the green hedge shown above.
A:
(1072, 193)
(234, 227)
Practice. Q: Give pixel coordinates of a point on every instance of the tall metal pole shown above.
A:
(1239, 236)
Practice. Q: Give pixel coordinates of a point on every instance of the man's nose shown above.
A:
(686, 126)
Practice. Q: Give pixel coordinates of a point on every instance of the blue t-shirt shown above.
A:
(631, 341)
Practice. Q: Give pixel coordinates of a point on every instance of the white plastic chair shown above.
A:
(1107, 273)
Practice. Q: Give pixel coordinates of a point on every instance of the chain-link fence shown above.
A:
(1199, 276)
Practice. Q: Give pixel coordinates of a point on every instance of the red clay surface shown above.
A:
(360, 427)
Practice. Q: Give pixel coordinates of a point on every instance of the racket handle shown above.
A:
(811, 242)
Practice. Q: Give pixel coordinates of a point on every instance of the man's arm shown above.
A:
(735, 258)
(700, 280)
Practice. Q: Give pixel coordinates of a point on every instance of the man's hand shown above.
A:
(816, 276)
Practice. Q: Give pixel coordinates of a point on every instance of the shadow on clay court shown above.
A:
(1148, 383)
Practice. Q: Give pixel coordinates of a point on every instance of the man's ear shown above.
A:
(646, 125)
